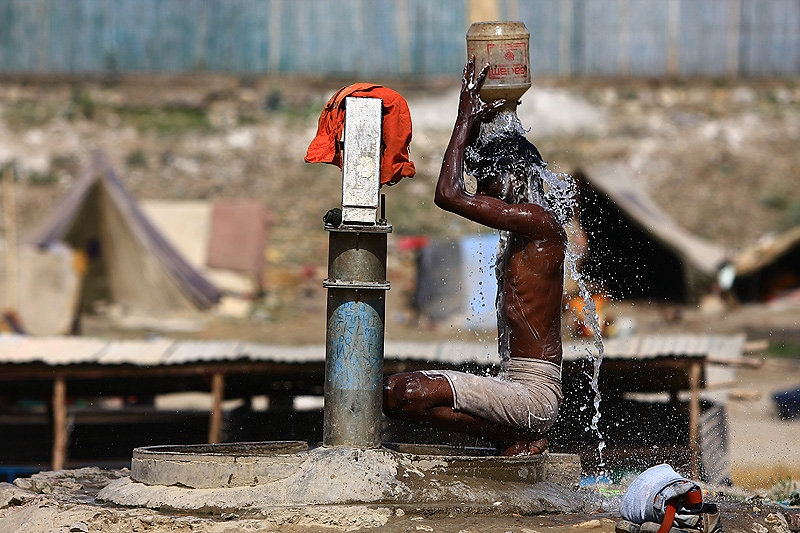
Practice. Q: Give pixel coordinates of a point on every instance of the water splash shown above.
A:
(596, 357)
(501, 150)
(503, 332)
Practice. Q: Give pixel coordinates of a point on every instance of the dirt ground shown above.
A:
(65, 502)
(763, 447)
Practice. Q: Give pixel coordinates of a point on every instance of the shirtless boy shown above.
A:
(516, 409)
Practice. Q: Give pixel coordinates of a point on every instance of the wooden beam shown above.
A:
(39, 371)
(59, 402)
(215, 419)
(695, 373)
(23, 371)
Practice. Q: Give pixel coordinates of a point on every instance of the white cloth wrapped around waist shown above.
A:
(525, 395)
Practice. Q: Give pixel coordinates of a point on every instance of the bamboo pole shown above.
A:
(59, 454)
(10, 226)
(215, 418)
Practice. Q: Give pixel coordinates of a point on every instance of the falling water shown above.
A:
(560, 198)
(596, 357)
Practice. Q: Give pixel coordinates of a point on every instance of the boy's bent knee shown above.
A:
(414, 393)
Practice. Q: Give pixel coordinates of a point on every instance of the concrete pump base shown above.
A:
(258, 478)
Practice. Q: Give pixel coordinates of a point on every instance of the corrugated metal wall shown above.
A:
(396, 37)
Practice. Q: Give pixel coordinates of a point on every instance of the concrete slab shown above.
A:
(337, 476)
(216, 466)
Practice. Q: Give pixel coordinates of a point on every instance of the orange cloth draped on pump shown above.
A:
(396, 136)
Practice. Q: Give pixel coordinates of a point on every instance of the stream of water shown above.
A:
(556, 192)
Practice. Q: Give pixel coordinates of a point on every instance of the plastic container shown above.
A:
(504, 45)
(788, 403)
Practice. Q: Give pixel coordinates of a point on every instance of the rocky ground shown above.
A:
(64, 502)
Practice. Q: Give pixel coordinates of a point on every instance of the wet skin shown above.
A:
(532, 284)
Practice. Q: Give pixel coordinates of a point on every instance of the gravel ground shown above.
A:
(64, 502)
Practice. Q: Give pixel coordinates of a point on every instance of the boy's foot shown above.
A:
(525, 447)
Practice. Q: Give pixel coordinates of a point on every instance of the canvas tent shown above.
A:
(635, 249)
(768, 269)
(225, 240)
(127, 260)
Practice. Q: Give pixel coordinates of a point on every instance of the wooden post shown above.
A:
(10, 223)
(695, 372)
(215, 420)
(59, 455)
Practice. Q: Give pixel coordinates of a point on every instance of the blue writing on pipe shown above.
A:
(356, 347)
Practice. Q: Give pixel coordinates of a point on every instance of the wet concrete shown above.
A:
(338, 476)
(215, 466)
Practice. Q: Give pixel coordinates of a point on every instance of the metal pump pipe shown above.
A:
(354, 343)
(357, 287)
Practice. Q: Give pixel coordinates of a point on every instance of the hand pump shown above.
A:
(357, 288)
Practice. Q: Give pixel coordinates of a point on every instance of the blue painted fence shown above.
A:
(396, 37)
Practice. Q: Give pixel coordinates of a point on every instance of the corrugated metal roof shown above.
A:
(719, 347)
(203, 352)
(64, 350)
(57, 351)
(285, 354)
(141, 353)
